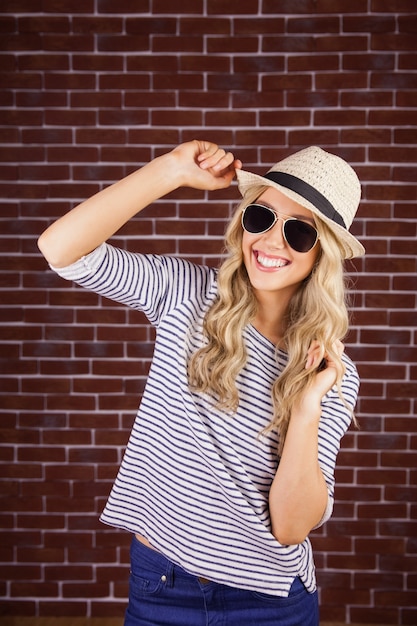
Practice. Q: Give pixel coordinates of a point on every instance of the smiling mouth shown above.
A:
(269, 262)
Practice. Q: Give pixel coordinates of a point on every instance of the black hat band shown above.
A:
(308, 192)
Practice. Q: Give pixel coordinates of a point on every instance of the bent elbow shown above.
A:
(290, 539)
(44, 248)
(50, 250)
(289, 536)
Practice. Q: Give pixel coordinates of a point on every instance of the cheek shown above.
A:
(316, 251)
(313, 257)
(247, 246)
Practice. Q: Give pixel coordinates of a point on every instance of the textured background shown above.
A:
(91, 90)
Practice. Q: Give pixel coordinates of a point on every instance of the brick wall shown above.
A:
(91, 93)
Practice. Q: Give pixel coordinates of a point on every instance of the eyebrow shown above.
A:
(302, 218)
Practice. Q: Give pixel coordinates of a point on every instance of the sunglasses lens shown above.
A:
(257, 218)
(300, 236)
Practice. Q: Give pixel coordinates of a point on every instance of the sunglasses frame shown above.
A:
(278, 216)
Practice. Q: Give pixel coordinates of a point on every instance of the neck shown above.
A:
(270, 321)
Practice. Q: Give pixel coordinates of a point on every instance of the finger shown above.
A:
(205, 149)
(218, 161)
(225, 162)
(223, 179)
(315, 354)
(339, 347)
(211, 156)
(338, 350)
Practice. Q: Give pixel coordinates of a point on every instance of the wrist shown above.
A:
(178, 167)
(170, 172)
(306, 412)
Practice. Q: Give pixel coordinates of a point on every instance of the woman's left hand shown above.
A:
(327, 369)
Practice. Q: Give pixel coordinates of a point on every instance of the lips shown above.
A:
(270, 262)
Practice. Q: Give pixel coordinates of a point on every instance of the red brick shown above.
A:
(97, 24)
(236, 7)
(108, 609)
(380, 581)
(62, 609)
(390, 41)
(397, 423)
(216, 45)
(340, 118)
(352, 562)
(233, 81)
(314, 99)
(36, 590)
(384, 616)
(188, 7)
(398, 117)
(371, 24)
(21, 607)
(95, 62)
(312, 63)
(337, 596)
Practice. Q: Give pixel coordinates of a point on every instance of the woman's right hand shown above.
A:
(204, 165)
(197, 164)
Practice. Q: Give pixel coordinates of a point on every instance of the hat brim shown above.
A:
(351, 246)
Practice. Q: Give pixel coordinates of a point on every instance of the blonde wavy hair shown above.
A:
(318, 311)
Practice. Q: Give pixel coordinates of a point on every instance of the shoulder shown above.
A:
(350, 382)
(351, 372)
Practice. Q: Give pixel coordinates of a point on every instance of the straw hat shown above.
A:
(321, 182)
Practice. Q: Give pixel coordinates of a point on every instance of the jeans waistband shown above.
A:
(157, 562)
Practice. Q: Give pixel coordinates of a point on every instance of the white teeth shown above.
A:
(267, 262)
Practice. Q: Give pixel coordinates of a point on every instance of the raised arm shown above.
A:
(197, 164)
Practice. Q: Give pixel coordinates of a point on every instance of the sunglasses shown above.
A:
(300, 236)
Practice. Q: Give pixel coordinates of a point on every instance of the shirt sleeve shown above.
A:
(335, 419)
(151, 283)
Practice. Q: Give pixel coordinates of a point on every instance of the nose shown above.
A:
(275, 236)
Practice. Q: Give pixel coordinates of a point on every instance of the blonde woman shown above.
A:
(230, 463)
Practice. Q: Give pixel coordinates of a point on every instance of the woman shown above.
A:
(230, 462)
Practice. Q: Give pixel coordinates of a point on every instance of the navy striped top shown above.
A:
(195, 480)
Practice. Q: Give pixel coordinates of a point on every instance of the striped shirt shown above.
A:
(195, 480)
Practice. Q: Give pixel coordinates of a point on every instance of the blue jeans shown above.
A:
(163, 594)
